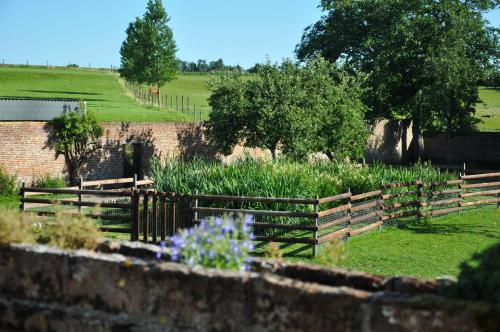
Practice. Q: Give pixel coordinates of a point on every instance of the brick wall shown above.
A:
(24, 151)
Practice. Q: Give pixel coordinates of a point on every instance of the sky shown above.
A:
(87, 32)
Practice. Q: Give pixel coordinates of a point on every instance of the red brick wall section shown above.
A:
(23, 148)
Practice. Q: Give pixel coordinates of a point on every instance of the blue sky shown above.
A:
(81, 31)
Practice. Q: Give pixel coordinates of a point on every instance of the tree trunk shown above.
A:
(273, 153)
(405, 155)
(330, 155)
(418, 139)
(73, 171)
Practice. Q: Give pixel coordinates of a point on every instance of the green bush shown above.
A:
(479, 278)
(8, 183)
(16, 228)
(48, 181)
(63, 231)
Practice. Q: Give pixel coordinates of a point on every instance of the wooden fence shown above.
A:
(310, 221)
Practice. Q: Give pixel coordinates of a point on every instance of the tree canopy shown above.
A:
(148, 52)
(422, 58)
(76, 135)
(294, 109)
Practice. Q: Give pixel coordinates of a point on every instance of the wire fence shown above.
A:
(156, 98)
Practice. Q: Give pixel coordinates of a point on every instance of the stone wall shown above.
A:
(47, 289)
(24, 150)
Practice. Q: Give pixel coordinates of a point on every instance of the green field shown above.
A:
(425, 248)
(104, 92)
(488, 111)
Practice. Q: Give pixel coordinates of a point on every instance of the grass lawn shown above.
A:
(9, 202)
(101, 89)
(426, 248)
(489, 110)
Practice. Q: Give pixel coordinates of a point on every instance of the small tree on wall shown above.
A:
(75, 135)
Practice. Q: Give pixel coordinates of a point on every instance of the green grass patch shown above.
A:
(425, 248)
(101, 89)
(488, 111)
(9, 202)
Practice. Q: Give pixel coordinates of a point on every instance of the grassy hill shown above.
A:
(103, 91)
(106, 94)
(488, 110)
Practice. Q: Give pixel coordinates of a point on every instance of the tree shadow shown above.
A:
(192, 143)
(65, 92)
(109, 161)
(384, 146)
(425, 226)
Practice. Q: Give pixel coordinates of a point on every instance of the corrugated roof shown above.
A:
(34, 109)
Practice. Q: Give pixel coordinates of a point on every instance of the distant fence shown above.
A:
(152, 216)
(111, 208)
(158, 99)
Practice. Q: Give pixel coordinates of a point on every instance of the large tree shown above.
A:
(148, 52)
(422, 58)
(294, 109)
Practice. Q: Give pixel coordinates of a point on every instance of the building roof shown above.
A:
(34, 109)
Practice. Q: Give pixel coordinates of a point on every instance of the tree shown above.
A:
(287, 108)
(334, 100)
(75, 135)
(148, 52)
(217, 65)
(400, 45)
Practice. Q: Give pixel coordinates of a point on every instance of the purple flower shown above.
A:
(248, 219)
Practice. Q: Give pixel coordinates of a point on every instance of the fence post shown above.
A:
(135, 215)
(145, 217)
(23, 196)
(196, 206)
(419, 198)
(381, 205)
(163, 226)
(172, 214)
(155, 217)
(135, 181)
(315, 205)
(80, 188)
(349, 214)
(460, 186)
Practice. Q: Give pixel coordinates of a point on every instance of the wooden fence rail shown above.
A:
(153, 216)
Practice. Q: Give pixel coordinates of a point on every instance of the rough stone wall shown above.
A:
(24, 151)
(47, 289)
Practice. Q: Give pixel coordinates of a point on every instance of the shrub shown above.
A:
(8, 183)
(333, 254)
(69, 232)
(16, 228)
(48, 181)
(64, 231)
(222, 243)
(479, 278)
(273, 251)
